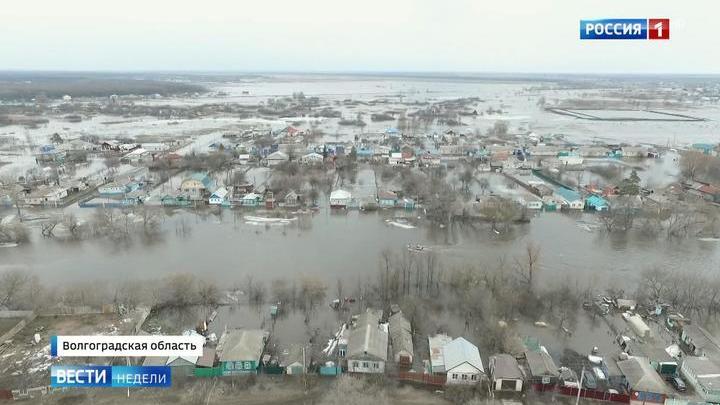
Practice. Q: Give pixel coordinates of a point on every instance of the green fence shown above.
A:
(208, 372)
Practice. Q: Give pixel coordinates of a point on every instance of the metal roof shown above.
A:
(505, 366)
(242, 344)
(541, 364)
(641, 376)
(368, 338)
(400, 333)
(461, 351)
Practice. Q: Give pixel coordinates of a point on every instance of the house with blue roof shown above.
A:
(597, 203)
(706, 148)
(198, 186)
(569, 198)
(364, 152)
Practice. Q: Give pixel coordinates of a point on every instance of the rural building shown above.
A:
(703, 375)
(197, 186)
(505, 373)
(435, 346)
(569, 198)
(597, 203)
(251, 200)
(543, 372)
(277, 158)
(219, 197)
(643, 383)
(294, 359)
(311, 158)
(401, 339)
(138, 155)
(367, 344)
(387, 199)
(340, 198)
(698, 341)
(462, 361)
(291, 199)
(240, 350)
(641, 329)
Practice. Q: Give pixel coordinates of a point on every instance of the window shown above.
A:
(464, 377)
(375, 365)
(248, 365)
(454, 376)
(473, 377)
(365, 364)
(229, 365)
(355, 364)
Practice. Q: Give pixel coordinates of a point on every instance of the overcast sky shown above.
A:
(361, 35)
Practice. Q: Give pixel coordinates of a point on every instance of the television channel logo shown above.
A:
(81, 376)
(626, 28)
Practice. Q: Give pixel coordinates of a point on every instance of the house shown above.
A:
(437, 358)
(294, 359)
(703, 375)
(182, 365)
(291, 199)
(569, 198)
(569, 158)
(364, 152)
(407, 203)
(175, 200)
(401, 339)
(698, 341)
(367, 344)
(46, 195)
(111, 189)
(277, 158)
(462, 362)
(597, 203)
(251, 200)
(197, 186)
(340, 198)
(643, 383)
(505, 373)
(155, 147)
(387, 199)
(311, 158)
(543, 372)
(240, 350)
(207, 360)
(138, 155)
(219, 197)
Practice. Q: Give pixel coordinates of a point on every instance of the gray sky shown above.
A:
(341, 35)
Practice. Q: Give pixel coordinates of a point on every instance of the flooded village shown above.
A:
(396, 239)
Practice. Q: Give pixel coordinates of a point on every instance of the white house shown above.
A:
(463, 364)
(219, 197)
(311, 158)
(367, 346)
(277, 158)
(137, 156)
(112, 189)
(155, 146)
(340, 198)
(505, 373)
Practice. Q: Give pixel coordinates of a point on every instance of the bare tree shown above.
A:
(528, 264)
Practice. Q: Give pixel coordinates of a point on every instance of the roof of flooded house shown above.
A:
(400, 333)
(201, 177)
(220, 193)
(596, 200)
(705, 370)
(641, 376)
(701, 338)
(505, 366)
(461, 351)
(294, 354)
(541, 364)
(207, 359)
(182, 359)
(242, 344)
(340, 194)
(368, 338)
(155, 361)
(386, 195)
(567, 194)
(435, 344)
(278, 155)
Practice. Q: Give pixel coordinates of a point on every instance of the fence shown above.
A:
(422, 378)
(29, 316)
(208, 372)
(592, 394)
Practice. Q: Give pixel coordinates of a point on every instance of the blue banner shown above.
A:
(614, 28)
(79, 376)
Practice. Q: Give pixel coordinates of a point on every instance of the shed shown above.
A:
(505, 373)
(641, 329)
(542, 368)
(642, 380)
(401, 339)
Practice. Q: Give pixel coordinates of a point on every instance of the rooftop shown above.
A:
(242, 344)
(461, 351)
(641, 376)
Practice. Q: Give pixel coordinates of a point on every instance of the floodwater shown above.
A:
(222, 246)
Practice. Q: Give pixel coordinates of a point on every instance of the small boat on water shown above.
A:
(417, 248)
